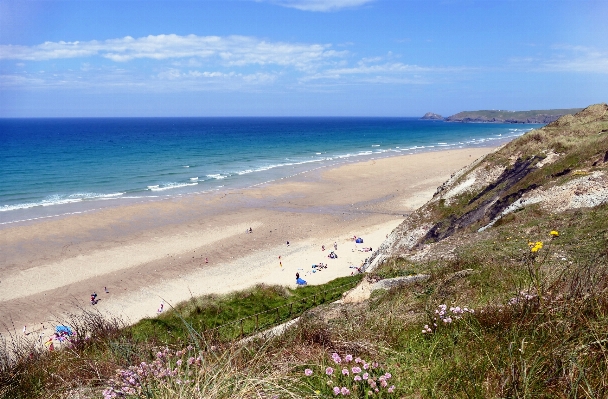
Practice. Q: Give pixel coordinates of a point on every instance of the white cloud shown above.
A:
(229, 50)
(577, 59)
(390, 72)
(319, 5)
(566, 58)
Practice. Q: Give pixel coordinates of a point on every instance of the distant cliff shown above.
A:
(492, 116)
(433, 117)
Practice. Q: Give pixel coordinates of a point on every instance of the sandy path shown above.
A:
(146, 252)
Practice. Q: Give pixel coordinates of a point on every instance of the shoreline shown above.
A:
(155, 251)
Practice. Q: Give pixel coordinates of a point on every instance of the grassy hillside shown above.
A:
(534, 116)
(515, 305)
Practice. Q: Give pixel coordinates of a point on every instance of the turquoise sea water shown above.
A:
(52, 167)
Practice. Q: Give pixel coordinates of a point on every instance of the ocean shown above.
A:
(54, 167)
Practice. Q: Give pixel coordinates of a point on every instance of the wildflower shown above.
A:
(336, 391)
(356, 370)
(348, 358)
(357, 378)
(358, 360)
(365, 376)
(317, 392)
(329, 371)
(345, 372)
(554, 233)
(388, 375)
(336, 358)
(391, 389)
(344, 391)
(308, 372)
(534, 247)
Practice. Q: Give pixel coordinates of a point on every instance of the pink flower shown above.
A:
(348, 358)
(358, 360)
(308, 372)
(357, 378)
(391, 389)
(345, 372)
(329, 371)
(336, 390)
(344, 391)
(365, 376)
(356, 370)
(387, 375)
(365, 366)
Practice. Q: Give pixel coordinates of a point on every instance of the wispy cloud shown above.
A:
(319, 5)
(229, 50)
(577, 59)
(566, 58)
(388, 72)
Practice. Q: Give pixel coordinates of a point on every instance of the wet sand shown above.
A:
(152, 252)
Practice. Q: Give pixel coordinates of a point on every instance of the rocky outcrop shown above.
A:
(432, 117)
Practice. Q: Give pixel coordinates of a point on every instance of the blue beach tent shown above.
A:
(64, 330)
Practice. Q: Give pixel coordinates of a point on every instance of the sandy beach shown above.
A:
(156, 251)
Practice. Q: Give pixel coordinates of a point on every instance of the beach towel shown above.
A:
(359, 240)
(299, 281)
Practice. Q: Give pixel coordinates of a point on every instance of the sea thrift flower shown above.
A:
(308, 372)
(356, 369)
(358, 360)
(345, 372)
(336, 391)
(365, 376)
(329, 371)
(391, 389)
(344, 391)
(357, 378)
(348, 358)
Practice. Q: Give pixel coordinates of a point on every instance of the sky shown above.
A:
(131, 58)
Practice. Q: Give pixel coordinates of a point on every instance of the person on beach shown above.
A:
(106, 290)
(287, 243)
(297, 275)
(250, 230)
(335, 246)
(206, 260)
(160, 309)
(25, 330)
(322, 247)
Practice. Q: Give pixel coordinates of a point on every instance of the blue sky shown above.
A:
(299, 57)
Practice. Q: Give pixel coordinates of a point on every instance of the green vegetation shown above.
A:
(219, 317)
(534, 116)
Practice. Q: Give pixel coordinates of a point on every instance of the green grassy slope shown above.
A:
(534, 116)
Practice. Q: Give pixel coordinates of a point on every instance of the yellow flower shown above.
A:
(554, 233)
(534, 247)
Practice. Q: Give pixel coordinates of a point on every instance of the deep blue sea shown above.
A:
(51, 167)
